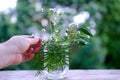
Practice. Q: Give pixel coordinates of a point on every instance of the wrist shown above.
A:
(7, 55)
(4, 56)
(14, 54)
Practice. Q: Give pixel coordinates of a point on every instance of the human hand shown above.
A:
(21, 48)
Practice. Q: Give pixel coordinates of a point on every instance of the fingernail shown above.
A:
(32, 36)
(36, 49)
(31, 49)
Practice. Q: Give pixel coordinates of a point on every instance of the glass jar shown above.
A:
(60, 73)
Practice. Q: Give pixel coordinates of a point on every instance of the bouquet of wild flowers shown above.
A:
(56, 51)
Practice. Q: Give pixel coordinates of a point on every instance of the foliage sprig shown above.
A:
(55, 52)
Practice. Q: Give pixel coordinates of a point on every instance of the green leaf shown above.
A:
(86, 25)
(86, 31)
(83, 39)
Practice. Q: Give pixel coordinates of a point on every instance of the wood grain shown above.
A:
(72, 75)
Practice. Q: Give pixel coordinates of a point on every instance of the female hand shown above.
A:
(18, 49)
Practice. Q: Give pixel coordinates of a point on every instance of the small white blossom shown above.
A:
(43, 30)
(66, 34)
(78, 32)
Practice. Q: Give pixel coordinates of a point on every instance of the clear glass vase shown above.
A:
(56, 61)
(59, 73)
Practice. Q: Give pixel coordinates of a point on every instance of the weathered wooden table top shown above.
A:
(72, 75)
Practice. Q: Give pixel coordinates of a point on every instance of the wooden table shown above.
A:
(72, 75)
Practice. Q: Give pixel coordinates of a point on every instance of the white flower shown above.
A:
(43, 30)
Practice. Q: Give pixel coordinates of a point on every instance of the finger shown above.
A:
(37, 49)
(28, 57)
(38, 44)
(34, 40)
(29, 51)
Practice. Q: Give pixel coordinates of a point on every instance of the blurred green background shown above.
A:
(102, 15)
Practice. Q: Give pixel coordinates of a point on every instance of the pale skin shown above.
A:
(18, 49)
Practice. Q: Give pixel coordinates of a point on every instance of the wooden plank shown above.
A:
(72, 75)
